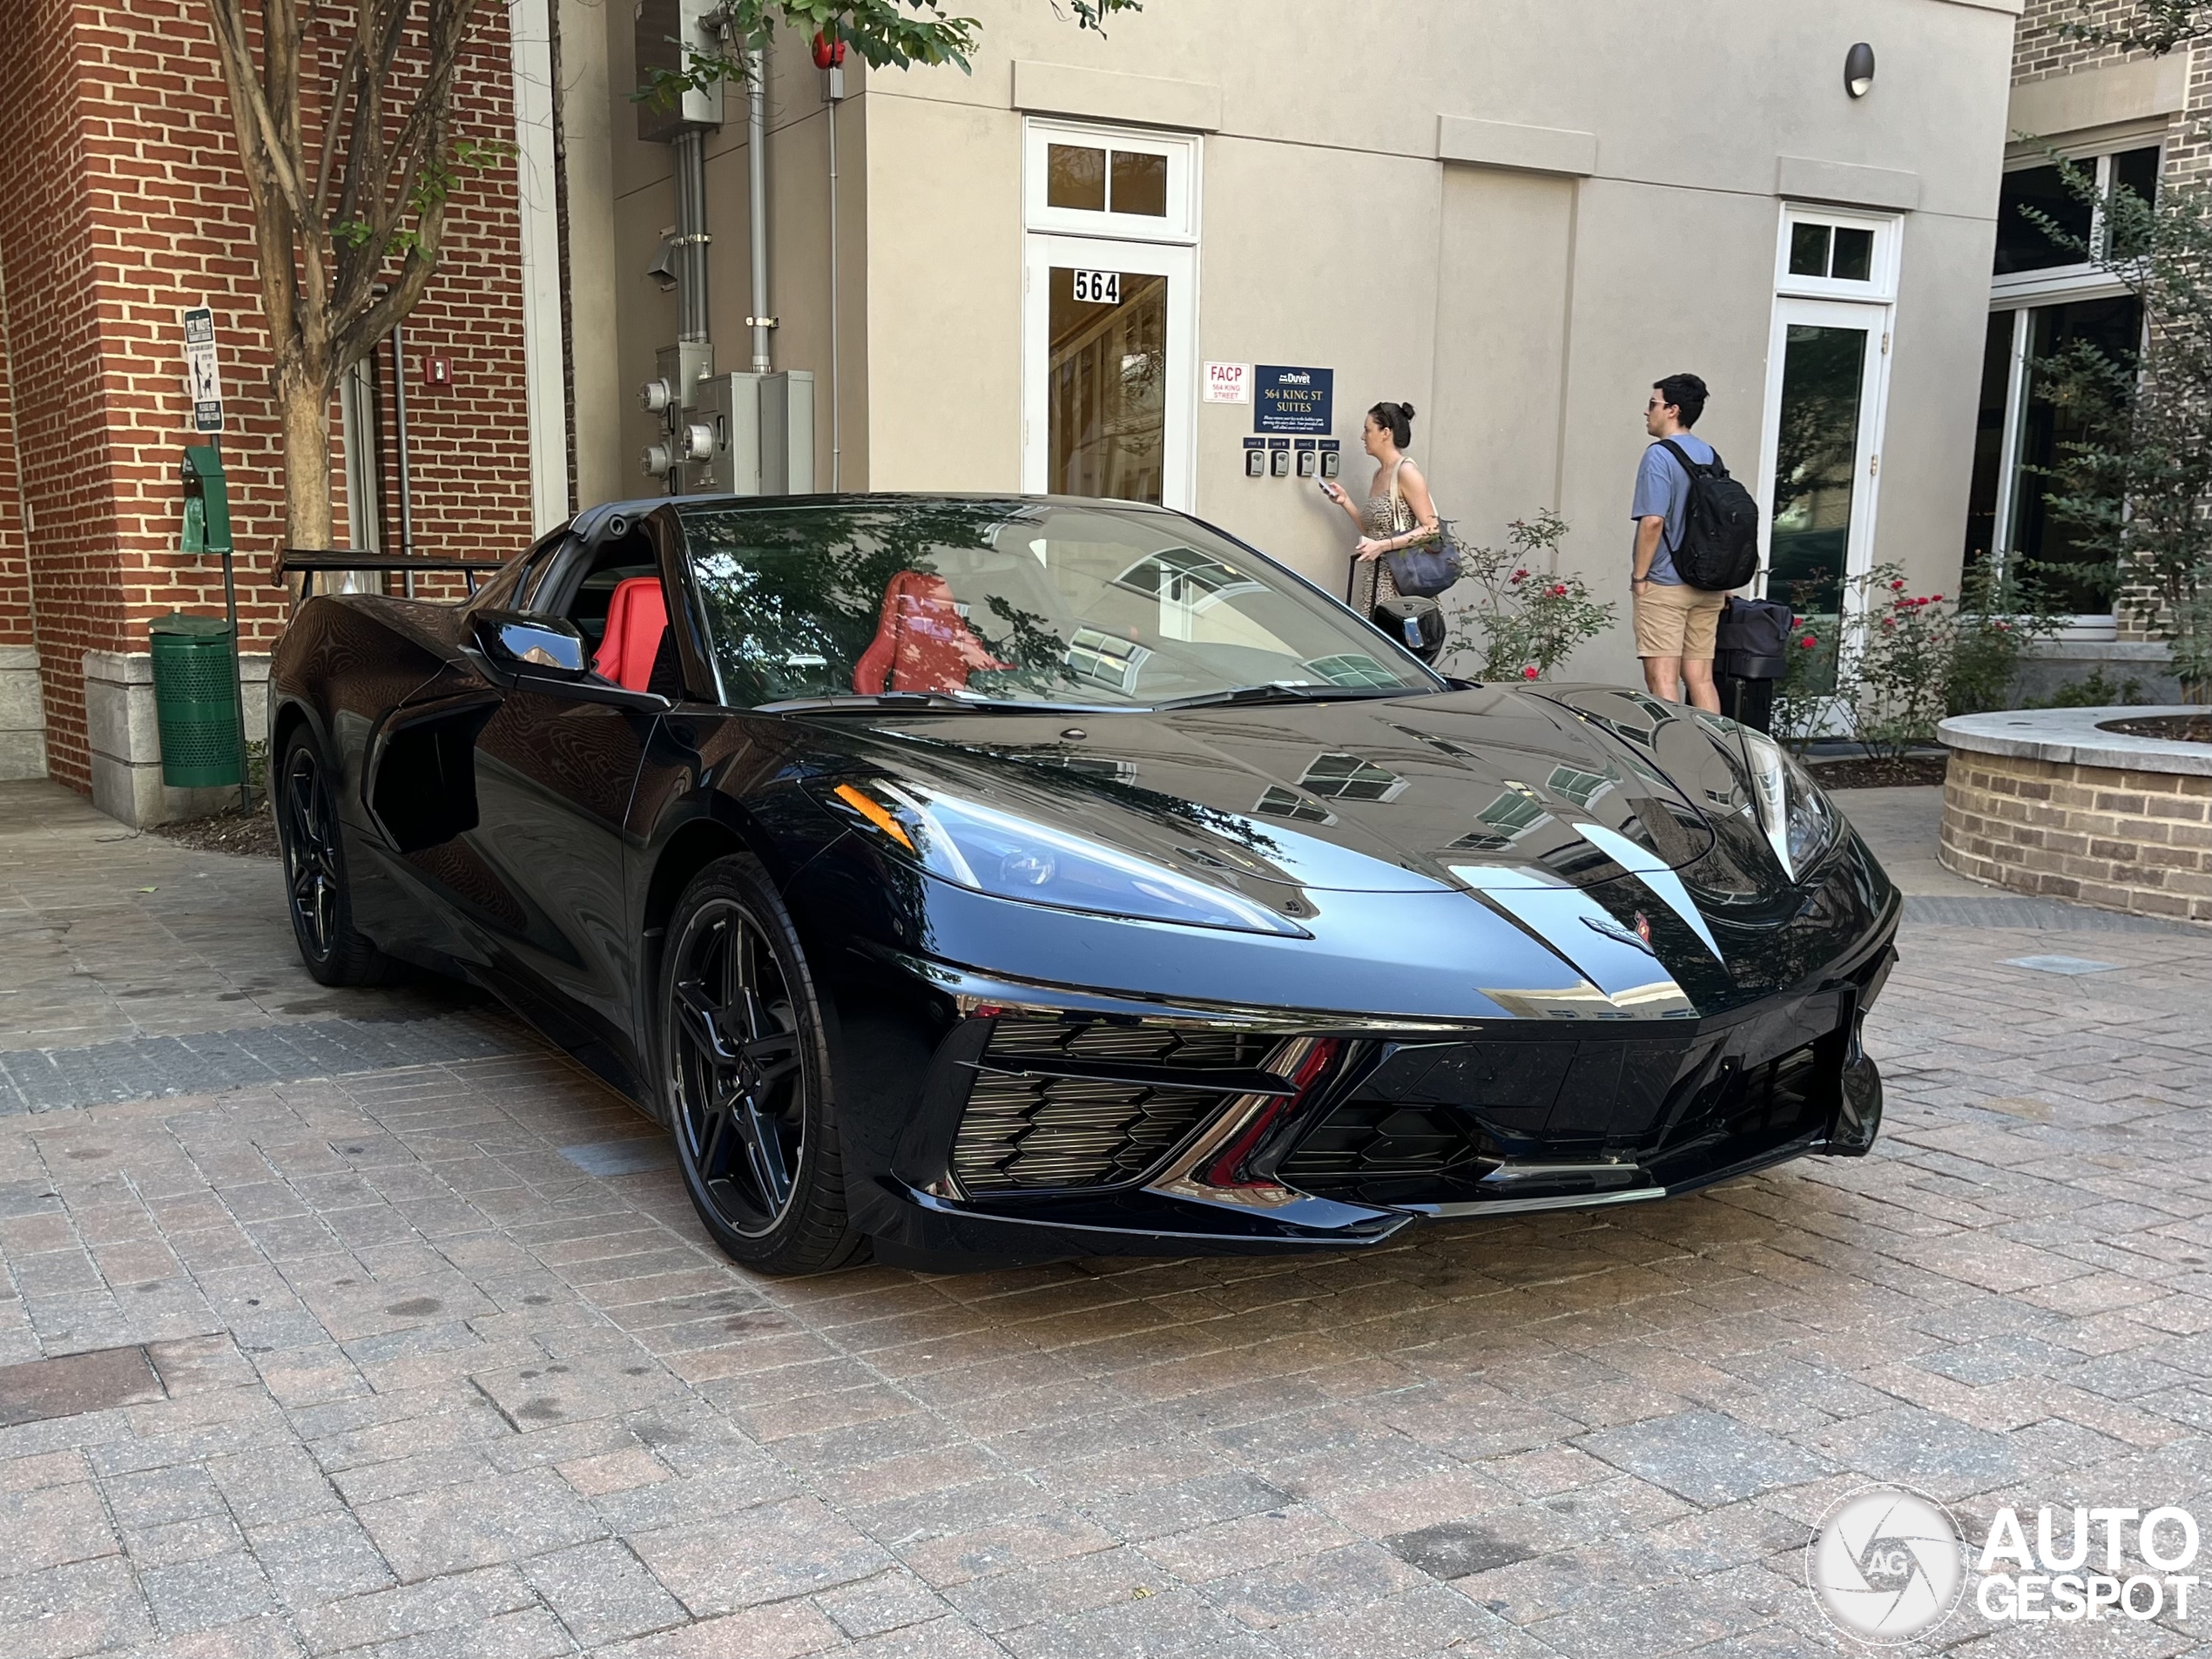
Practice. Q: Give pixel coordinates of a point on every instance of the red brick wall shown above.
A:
(127, 202)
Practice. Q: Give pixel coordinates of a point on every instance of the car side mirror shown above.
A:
(544, 644)
(1418, 624)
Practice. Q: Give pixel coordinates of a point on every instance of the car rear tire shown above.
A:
(317, 893)
(744, 1076)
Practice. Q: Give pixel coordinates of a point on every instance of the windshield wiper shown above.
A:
(1286, 693)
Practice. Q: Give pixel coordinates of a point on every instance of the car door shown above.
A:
(512, 805)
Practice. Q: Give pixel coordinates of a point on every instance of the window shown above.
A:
(1832, 254)
(1091, 182)
(2020, 434)
(2032, 195)
(2046, 296)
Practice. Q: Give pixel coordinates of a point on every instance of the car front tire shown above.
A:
(744, 1076)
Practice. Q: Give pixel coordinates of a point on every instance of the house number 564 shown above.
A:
(1098, 288)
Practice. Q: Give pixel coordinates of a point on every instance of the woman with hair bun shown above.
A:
(1398, 514)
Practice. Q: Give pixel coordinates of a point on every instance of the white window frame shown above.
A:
(1183, 153)
(2024, 292)
(2021, 305)
(2084, 280)
(1881, 285)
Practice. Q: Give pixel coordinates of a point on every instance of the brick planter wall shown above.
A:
(2116, 837)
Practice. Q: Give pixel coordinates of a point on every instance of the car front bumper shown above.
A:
(1053, 1124)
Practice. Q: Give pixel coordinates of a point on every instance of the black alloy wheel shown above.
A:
(746, 1076)
(315, 874)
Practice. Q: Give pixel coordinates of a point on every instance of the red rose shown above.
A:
(1559, 588)
(1935, 599)
(1897, 586)
(1520, 576)
(1530, 672)
(1808, 641)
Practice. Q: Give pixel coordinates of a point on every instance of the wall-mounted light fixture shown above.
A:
(1858, 70)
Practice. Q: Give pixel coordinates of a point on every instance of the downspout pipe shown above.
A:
(690, 157)
(763, 320)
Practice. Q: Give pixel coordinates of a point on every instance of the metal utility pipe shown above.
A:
(757, 160)
(691, 238)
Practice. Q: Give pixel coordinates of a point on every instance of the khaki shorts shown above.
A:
(1676, 621)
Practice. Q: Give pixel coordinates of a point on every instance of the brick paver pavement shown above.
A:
(412, 1380)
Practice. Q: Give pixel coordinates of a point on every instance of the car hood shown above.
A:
(1472, 790)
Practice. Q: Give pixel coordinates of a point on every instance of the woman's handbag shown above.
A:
(1429, 566)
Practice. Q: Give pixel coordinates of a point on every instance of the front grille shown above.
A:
(1779, 1100)
(1380, 1151)
(1025, 1129)
(1016, 1040)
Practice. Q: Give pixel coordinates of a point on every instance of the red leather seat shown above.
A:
(922, 643)
(637, 617)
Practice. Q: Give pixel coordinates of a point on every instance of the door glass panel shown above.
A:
(2115, 328)
(1107, 380)
(1140, 184)
(1075, 176)
(1816, 475)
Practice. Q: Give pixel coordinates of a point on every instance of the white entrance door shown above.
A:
(1109, 375)
(1827, 379)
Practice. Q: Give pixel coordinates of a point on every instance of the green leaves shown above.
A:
(2155, 26)
(2137, 485)
(884, 34)
(1518, 618)
(432, 186)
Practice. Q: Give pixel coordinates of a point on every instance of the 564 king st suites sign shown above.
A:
(1889, 1565)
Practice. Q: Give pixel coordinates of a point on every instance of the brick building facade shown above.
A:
(125, 203)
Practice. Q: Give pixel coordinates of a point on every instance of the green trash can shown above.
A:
(195, 700)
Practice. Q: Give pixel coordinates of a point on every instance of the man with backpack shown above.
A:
(1697, 539)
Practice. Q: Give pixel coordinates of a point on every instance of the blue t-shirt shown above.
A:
(1664, 488)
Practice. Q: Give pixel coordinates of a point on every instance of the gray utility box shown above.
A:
(764, 434)
(668, 33)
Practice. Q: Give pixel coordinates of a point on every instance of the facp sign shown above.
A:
(1229, 383)
(203, 383)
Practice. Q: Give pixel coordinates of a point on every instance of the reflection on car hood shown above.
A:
(1477, 789)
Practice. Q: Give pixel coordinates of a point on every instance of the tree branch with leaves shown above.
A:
(351, 166)
(349, 188)
(2154, 26)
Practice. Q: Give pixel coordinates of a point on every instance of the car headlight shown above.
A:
(1009, 857)
(1800, 821)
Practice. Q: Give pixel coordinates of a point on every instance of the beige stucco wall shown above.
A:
(1525, 312)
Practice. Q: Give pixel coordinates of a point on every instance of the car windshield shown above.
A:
(1014, 602)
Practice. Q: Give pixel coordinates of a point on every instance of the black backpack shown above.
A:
(1720, 527)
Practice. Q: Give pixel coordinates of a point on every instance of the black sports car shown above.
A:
(1021, 878)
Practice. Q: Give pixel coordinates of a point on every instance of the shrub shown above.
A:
(1517, 618)
(1896, 663)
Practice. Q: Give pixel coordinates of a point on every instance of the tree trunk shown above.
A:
(306, 407)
